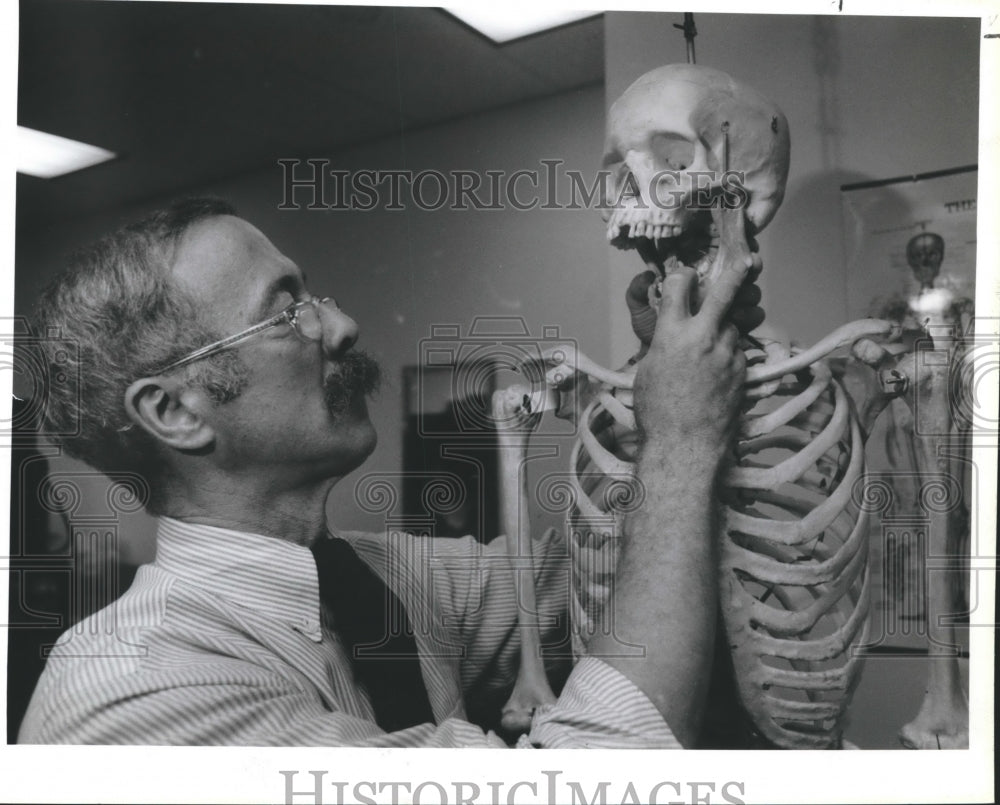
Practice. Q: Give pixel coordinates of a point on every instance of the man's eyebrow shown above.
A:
(287, 283)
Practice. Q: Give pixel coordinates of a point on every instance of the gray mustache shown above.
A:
(356, 373)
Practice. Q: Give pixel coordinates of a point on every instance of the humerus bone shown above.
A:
(928, 390)
(515, 411)
(943, 719)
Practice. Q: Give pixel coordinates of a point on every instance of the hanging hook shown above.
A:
(690, 32)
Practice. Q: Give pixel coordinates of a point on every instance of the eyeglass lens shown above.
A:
(307, 319)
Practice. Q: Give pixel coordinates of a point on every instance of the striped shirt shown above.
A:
(221, 641)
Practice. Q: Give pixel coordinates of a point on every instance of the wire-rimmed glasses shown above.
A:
(303, 317)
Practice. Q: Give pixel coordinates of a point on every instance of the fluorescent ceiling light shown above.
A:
(502, 23)
(47, 155)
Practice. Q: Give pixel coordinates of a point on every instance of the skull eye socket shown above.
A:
(674, 151)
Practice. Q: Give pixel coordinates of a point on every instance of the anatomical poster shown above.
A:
(908, 236)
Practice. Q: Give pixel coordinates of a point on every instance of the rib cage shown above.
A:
(793, 560)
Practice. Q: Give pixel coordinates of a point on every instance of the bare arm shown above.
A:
(687, 396)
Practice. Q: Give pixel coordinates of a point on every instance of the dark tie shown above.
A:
(377, 633)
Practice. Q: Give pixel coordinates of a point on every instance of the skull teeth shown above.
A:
(626, 226)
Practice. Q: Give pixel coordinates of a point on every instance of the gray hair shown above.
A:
(116, 304)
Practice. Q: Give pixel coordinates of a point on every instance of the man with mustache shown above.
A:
(209, 369)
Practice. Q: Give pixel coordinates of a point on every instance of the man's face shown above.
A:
(302, 414)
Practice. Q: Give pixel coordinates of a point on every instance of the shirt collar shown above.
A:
(268, 574)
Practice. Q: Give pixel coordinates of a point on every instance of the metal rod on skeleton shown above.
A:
(690, 32)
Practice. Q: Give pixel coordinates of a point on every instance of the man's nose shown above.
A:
(340, 331)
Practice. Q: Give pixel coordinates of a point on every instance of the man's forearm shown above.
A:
(665, 594)
(687, 395)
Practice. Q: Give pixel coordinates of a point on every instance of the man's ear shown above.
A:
(169, 412)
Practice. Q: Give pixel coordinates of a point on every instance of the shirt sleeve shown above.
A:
(220, 674)
(599, 708)
(476, 593)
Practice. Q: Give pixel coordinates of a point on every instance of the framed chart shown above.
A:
(908, 235)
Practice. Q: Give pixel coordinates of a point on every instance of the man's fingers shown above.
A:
(729, 337)
(733, 264)
(721, 294)
(676, 290)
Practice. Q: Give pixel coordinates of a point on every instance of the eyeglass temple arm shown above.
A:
(225, 343)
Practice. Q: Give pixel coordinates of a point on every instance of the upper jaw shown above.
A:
(691, 240)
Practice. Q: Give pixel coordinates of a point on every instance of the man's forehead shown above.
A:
(225, 254)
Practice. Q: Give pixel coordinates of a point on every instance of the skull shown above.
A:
(924, 254)
(684, 143)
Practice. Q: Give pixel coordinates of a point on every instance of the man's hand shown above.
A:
(688, 390)
(642, 300)
(688, 387)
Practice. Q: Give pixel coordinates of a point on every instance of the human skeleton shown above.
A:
(697, 166)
